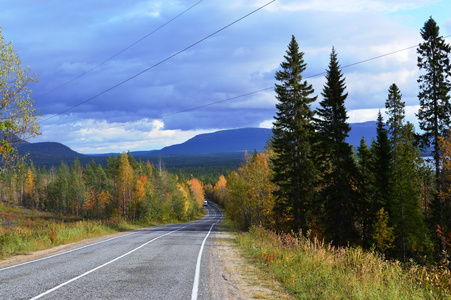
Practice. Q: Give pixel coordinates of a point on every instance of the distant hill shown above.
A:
(219, 142)
(50, 153)
(225, 142)
(365, 129)
(247, 139)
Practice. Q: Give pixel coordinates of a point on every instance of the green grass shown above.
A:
(24, 231)
(310, 269)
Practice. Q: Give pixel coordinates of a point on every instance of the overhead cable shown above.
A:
(159, 63)
(120, 52)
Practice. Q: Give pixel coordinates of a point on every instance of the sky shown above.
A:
(118, 76)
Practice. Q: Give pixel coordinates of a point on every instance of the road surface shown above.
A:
(164, 262)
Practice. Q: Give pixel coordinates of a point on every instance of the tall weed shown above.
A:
(312, 269)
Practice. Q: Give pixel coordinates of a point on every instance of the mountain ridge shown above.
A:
(230, 141)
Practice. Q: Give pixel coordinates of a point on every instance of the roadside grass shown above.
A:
(24, 231)
(310, 269)
(244, 275)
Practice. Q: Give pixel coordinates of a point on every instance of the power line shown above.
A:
(216, 102)
(262, 90)
(268, 88)
(159, 63)
(307, 77)
(120, 52)
(271, 88)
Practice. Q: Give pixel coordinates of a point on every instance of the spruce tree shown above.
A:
(395, 110)
(335, 158)
(435, 108)
(365, 185)
(294, 169)
(382, 166)
(405, 193)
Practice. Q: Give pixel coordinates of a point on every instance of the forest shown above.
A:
(382, 196)
(124, 189)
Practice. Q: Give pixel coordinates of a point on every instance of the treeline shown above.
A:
(123, 189)
(382, 195)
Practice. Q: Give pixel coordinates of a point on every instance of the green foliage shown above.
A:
(435, 108)
(293, 166)
(18, 118)
(382, 166)
(337, 195)
(365, 184)
(248, 195)
(383, 234)
(126, 190)
(405, 194)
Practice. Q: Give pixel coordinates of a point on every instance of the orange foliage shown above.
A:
(250, 198)
(90, 201)
(220, 190)
(198, 190)
(222, 183)
(124, 184)
(139, 192)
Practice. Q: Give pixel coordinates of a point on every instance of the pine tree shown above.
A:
(294, 169)
(337, 165)
(435, 108)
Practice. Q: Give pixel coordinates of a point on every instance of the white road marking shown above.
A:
(197, 274)
(101, 266)
(65, 252)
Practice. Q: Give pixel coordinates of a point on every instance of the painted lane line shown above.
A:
(65, 252)
(101, 266)
(196, 276)
(80, 248)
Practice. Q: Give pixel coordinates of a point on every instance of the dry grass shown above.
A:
(311, 269)
(23, 230)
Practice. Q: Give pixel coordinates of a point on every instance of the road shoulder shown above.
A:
(232, 276)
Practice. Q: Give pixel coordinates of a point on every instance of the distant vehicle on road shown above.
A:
(205, 203)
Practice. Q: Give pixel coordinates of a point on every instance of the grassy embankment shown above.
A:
(310, 269)
(23, 230)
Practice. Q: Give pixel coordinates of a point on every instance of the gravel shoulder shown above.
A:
(234, 277)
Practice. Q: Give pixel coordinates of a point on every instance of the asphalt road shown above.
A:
(164, 262)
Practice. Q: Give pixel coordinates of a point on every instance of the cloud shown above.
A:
(100, 136)
(116, 104)
(339, 6)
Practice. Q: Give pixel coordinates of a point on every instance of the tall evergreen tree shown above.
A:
(435, 108)
(395, 110)
(365, 185)
(382, 168)
(405, 195)
(337, 165)
(294, 169)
